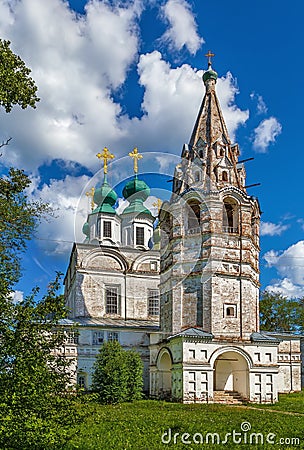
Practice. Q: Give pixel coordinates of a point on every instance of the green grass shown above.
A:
(288, 402)
(140, 425)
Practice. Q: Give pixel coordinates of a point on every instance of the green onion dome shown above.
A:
(105, 197)
(209, 74)
(136, 191)
(86, 230)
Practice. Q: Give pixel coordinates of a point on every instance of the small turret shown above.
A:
(137, 220)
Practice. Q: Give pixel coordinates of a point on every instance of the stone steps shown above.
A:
(228, 397)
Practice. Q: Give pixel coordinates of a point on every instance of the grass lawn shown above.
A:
(140, 425)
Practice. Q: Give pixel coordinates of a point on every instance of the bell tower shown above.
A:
(210, 234)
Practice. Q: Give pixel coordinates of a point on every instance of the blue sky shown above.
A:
(127, 73)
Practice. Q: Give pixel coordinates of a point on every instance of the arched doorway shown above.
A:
(231, 373)
(164, 366)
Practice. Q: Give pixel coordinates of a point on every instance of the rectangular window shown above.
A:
(81, 381)
(112, 300)
(153, 266)
(98, 228)
(112, 336)
(153, 302)
(72, 337)
(140, 236)
(107, 229)
(98, 337)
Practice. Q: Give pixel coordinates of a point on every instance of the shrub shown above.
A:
(117, 375)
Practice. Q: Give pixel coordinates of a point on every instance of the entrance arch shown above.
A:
(164, 366)
(231, 373)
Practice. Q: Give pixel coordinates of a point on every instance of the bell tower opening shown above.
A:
(193, 215)
(230, 216)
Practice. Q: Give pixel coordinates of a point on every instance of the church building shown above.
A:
(185, 295)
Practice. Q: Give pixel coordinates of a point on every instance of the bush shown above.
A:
(118, 374)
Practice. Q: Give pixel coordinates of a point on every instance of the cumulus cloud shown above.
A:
(183, 28)
(287, 288)
(70, 205)
(272, 229)
(76, 62)
(79, 62)
(172, 98)
(266, 133)
(261, 105)
(290, 265)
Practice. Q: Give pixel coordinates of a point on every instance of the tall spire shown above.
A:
(210, 124)
(209, 160)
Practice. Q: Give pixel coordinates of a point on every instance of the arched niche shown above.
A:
(230, 215)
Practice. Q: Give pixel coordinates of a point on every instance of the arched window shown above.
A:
(197, 176)
(193, 215)
(225, 176)
(230, 216)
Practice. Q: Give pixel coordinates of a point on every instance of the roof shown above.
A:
(193, 333)
(264, 337)
(282, 335)
(113, 323)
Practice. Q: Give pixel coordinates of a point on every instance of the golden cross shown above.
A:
(91, 194)
(136, 156)
(157, 204)
(105, 155)
(209, 55)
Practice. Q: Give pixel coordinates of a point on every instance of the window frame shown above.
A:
(111, 308)
(139, 240)
(107, 233)
(153, 308)
(96, 341)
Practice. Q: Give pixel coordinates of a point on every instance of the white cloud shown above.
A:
(70, 205)
(286, 288)
(17, 297)
(76, 62)
(261, 105)
(290, 266)
(183, 28)
(172, 97)
(272, 229)
(266, 133)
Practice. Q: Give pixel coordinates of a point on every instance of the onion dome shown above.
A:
(136, 192)
(105, 197)
(210, 74)
(86, 230)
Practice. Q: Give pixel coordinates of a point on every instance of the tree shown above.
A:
(280, 313)
(117, 375)
(19, 218)
(16, 85)
(135, 375)
(37, 409)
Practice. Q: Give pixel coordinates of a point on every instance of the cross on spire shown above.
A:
(90, 193)
(209, 55)
(157, 204)
(136, 156)
(105, 155)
